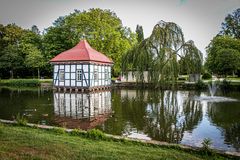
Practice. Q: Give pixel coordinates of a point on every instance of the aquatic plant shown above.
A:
(206, 143)
(21, 120)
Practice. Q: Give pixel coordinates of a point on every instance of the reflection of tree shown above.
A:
(33, 103)
(192, 113)
(166, 122)
(129, 112)
(163, 124)
(156, 113)
(228, 120)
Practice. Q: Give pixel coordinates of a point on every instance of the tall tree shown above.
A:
(35, 29)
(231, 25)
(220, 47)
(159, 54)
(34, 58)
(13, 54)
(13, 34)
(227, 61)
(102, 28)
(11, 60)
(139, 32)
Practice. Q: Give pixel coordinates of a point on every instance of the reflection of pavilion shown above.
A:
(82, 110)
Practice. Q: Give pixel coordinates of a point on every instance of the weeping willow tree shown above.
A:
(159, 55)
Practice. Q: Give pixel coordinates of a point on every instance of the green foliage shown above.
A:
(102, 29)
(11, 59)
(200, 85)
(206, 75)
(20, 82)
(34, 58)
(76, 132)
(223, 55)
(21, 120)
(18, 48)
(1, 128)
(139, 32)
(95, 134)
(206, 143)
(225, 84)
(58, 130)
(231, 24)
(227, 61)
(159, 54)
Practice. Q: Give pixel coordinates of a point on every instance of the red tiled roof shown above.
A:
(81, 52)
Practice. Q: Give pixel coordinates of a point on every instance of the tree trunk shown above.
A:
(11, 74)
(38, 73)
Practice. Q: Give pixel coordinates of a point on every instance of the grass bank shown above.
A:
(19, 142)
(24, 82)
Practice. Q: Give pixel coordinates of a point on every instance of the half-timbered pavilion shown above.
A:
(81, 68)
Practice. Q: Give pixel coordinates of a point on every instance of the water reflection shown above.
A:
(82, 110)
(172, 116)
(169, 117)
(227, 117)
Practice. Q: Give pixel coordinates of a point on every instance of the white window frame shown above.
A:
(79, 75)
(61, 75)
(95, 74)
(106, 74)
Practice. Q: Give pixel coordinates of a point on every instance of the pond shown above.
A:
(171, 116)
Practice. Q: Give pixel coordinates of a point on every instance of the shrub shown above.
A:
(200, 85)
(21, 82)
(1, 128)
(225, 85)
(76, 132)
(206, 143)
(58, 130)
(206, 75)
(96, 134)
(21, 120)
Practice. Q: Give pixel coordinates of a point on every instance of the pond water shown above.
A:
(171, 116)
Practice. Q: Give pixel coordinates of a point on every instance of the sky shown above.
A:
(200, 20)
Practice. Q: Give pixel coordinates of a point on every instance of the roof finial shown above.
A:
(83, 36)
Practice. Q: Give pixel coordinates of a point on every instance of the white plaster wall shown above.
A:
(73, 68)
(132, 78)
(67, 83)
(55, 68)
(67, 68)
(61, 66)
(71, 76)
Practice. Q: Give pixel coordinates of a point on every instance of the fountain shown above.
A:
(212, 87)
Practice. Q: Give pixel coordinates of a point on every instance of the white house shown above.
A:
(81, 67)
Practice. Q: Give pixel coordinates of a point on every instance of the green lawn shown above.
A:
(28, 143)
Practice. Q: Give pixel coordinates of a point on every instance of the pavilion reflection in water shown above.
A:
(82, 110)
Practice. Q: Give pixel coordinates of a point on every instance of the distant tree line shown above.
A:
(26, 52)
